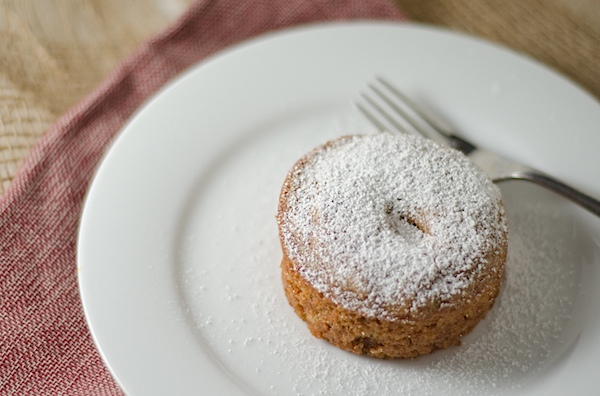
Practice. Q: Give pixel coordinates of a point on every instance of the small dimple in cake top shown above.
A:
(381, 221)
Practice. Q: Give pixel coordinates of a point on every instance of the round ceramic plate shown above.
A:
(178, 249)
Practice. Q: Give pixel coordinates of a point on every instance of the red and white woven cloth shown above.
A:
(45, 345)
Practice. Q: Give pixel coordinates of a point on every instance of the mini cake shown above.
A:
(393, 246)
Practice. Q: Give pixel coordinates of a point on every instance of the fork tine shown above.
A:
(397, 109)
(386, 115)
(428, 119)
(436, 128)
(407, 111)
(382, 118)
(372, 119)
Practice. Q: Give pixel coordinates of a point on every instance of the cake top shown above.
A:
(377, 222)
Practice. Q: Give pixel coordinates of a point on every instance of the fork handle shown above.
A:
(585, 201)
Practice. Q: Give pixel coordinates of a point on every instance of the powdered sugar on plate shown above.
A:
(230, 281)
(384, 220)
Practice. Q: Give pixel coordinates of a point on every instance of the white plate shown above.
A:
(178, 251)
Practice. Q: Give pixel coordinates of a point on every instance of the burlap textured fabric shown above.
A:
(54, 52)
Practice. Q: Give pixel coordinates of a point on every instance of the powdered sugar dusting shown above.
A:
(382, 221)
(231, 282)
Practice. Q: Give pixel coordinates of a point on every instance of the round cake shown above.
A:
(393, 246)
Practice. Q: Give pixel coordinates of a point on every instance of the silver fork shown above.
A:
(388, 109)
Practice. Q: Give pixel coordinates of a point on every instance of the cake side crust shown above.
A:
(408, 337)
